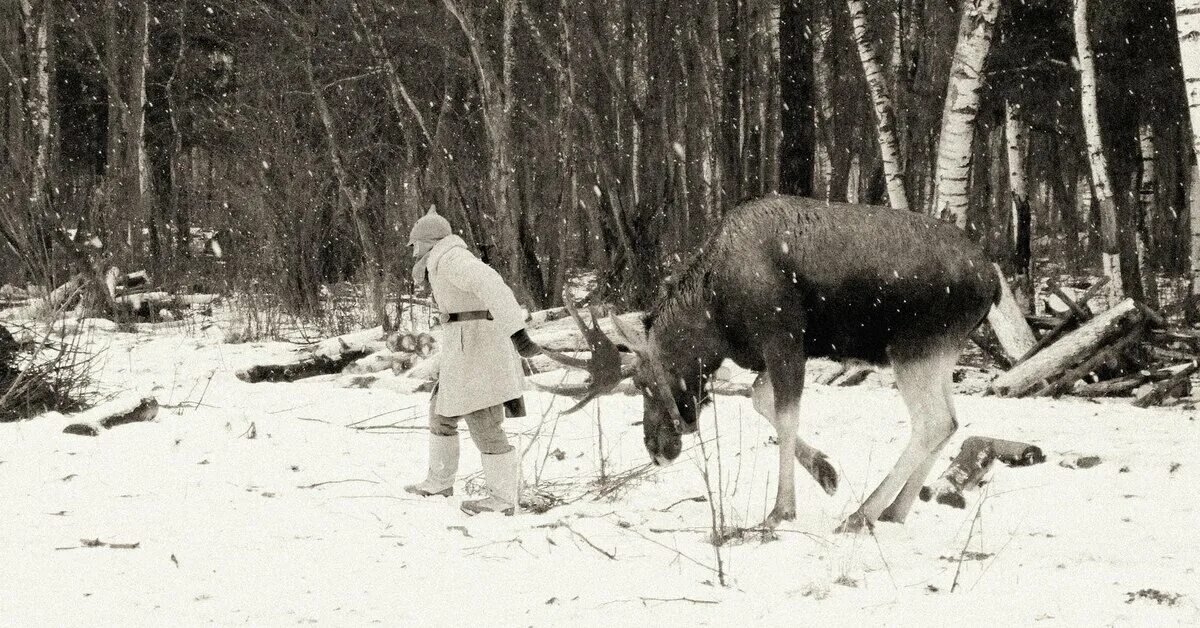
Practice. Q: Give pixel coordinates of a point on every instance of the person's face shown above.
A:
(420, 249)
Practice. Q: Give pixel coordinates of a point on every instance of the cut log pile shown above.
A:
(1127, 350)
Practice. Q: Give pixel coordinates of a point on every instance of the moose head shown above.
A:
(670, 405)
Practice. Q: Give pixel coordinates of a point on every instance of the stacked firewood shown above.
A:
(1127, 350)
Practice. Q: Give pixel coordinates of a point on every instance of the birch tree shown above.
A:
(975, 31)
(885, 118)
(1022, 219)
(37, 20)
(1101, 185)
(1187, 21)
(1147, 199)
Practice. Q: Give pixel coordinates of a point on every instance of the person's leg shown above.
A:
(501, 463)
(443, 457)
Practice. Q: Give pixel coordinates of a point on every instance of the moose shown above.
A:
(782, 279)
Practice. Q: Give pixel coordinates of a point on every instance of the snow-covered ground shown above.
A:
(261, 504)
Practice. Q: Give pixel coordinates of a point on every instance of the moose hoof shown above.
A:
(825, 475)
(777, 516)
(891, 515)
(854, 524)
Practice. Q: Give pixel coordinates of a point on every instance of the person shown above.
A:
(480, 374)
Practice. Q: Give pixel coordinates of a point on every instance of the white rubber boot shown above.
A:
(443, 467)
(503, 475)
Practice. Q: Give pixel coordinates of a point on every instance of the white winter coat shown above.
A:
(480, 367)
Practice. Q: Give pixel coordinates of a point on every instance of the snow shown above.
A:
(307, 522)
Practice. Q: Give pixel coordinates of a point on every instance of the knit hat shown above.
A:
(430, 228)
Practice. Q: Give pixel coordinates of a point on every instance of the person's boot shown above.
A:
(502, 472)
(443, 467)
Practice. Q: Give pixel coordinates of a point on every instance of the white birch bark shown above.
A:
(975, 32)
(1187, 20)
(1101, 185)
(1147, 196)
(137, 111)
(37, 33)
(881, 99)
(1014, 135)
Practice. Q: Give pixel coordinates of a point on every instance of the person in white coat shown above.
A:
(480, 376)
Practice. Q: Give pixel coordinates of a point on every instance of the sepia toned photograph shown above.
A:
(599, 313)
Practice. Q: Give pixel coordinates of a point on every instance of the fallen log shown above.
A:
(972, 463)
(1160, 392)
(1107, 355)
(1068, 351)
(1115, 387)
(308, 367)
(59, 299)
(1008, 323)
(110, 415)
(365, 341)
(1077, 314)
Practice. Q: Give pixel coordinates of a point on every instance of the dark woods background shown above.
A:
(557, 135)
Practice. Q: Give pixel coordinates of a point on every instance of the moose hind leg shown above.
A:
(897, 512)
(924, 384)
(812, 459)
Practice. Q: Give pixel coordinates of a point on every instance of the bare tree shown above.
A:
(496, 96)
(356, 198)
(951, 198)
(1147, 189)
(1101, 185)
(1187, 20)
(885, 118)
(1022, 217)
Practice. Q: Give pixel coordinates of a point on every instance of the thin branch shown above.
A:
(336, 482)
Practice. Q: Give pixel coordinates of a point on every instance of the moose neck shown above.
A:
(687, 342)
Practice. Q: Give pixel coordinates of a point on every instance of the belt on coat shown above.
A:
(473, 315)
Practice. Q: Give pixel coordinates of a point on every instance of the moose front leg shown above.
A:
(787, 383)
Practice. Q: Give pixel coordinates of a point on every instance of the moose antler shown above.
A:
(604, 368)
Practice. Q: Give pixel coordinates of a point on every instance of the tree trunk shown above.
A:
(975, 31)
(885, 117)
(1187, 20)
(798, 150)
(137, 109)
(175, 158)
(1022, 217)
(1101, 185)
(495, 90)
(38, 37)
(823, 95)
(1147, 200)
(373, 267)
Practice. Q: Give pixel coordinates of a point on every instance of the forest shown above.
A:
(572, 136)
(219, 378)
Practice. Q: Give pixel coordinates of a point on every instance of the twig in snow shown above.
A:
(698, 499)
(677, 599)
(562, 524)
(970, 533)
(670, 549)
(336, 482)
